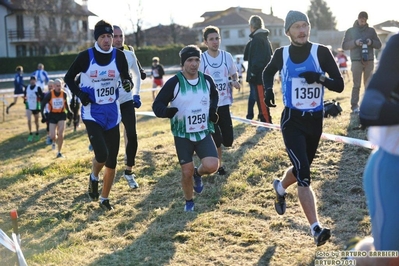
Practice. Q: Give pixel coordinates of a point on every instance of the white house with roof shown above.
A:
(43, 27)
(234, 27)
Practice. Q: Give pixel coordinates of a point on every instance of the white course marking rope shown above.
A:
(336, 138)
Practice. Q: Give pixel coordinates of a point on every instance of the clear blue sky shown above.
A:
(185, 13)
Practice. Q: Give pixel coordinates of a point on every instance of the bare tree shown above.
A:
(137, 23)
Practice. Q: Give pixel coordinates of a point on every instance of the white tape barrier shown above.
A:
(6, 241)
(13, 245)
(20, 255)
(336, 138)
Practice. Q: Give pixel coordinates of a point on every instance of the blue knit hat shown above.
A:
(294, 16)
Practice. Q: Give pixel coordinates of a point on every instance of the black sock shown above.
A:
(196, 172)
(128, 172)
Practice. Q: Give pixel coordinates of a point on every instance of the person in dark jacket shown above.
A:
(258, 53)
(19, 86)
(361, 40)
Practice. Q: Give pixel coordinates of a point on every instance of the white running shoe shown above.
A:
(129, 176)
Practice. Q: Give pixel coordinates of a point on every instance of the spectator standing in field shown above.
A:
(57, 106)
(189, 99)
(32, 97)
(157, 73)
(379, 112)
(342, 60)
(240, 70)
(41, 76)
(361, 40)
(18, 86)
(128, 102)
(258, 53)
(303, 65)
(101, 68)
(220, 66)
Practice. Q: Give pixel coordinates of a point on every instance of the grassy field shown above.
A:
(234, 224)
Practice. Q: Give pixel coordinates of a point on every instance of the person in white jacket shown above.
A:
(128, 102)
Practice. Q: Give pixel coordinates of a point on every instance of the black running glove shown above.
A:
(44, 118)
(213, 115)
(84, 97)
(127, 85)
(310, 76)
(269, 98)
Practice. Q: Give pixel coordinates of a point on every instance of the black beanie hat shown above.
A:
(189, 51)
(103, 27)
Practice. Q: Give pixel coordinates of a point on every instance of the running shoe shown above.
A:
(48, 140)
(129, 176)
(37, 137)
(30, 138)
(59, 155)
(221, 171)
(279, 203)
(189, 207)
(198, 185)
(106, 206)
(93, 189)
(321, 235)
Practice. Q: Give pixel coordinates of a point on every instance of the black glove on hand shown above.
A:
(127, 85)
(69, 115)
(269, 98)
(143, 75)
(72, 104)
(84, 98)
(44, 118)
(213, 115)
(310, 76)
(171, 111)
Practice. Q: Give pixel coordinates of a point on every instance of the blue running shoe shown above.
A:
(189, 207)
(198, 185)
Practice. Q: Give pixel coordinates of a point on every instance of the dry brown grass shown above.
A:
(235, 222)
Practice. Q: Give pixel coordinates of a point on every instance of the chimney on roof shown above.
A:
(238, 9)
(84, 5)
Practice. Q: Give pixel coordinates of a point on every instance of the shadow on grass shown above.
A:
(160, 239)
(345, 206)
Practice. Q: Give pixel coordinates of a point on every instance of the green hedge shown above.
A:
(168, 56)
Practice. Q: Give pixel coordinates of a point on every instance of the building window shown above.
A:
(21, 50)
(226, 34)
(241, 34)
(33, 51)
(84, 25)
(36, 21)
(20, 27)
(52, 24)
